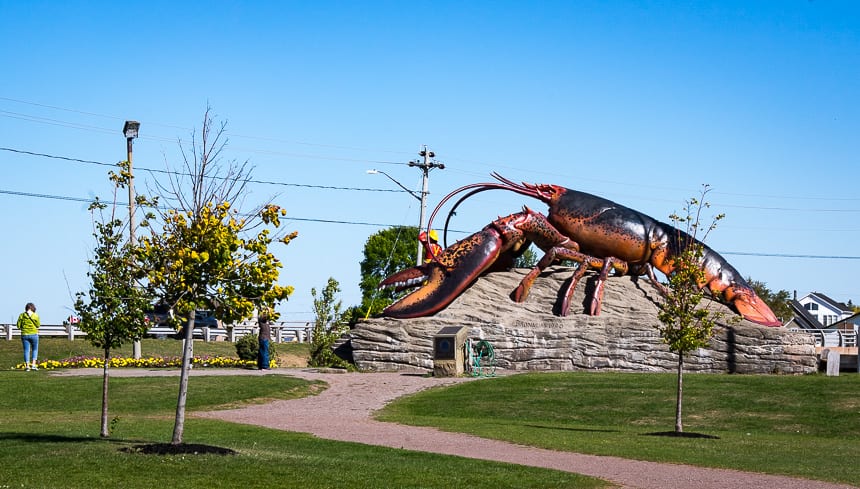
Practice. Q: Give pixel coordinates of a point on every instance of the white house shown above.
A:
(832, 323)
(826, 310)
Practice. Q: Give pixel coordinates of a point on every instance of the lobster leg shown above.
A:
(586, 262)
(559, 247)
(597, 298)
(649, 270)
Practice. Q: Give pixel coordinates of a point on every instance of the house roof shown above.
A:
(802, 317)
(847, 323)
(830, 302)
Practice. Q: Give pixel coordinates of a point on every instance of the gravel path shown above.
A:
(343, 412)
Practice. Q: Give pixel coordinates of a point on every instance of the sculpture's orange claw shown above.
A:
(752, 308)
(440, 282)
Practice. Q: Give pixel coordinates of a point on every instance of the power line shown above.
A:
(495, 165)
(168, 172)
(362, 189)
(287, 218)
(786, 255)
(376, 224)
(46, 196)
(46, 120)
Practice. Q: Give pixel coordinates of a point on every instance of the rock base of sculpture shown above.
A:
(530, 336)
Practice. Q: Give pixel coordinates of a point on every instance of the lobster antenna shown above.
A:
(457, 204)
(505, 184)
(479, 187)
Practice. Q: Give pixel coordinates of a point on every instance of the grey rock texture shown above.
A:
(531, 336)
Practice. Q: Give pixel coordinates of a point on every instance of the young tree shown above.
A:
(386, 252)
(205, 254)
(685, 326)
(329, 326)
(113, 310)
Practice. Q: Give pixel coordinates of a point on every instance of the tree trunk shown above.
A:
(679, 427)
(105, 433)
(187, 355)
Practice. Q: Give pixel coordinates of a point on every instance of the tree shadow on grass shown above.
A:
(141, 448)
(51, 438)
(583, 430)
(683, 434)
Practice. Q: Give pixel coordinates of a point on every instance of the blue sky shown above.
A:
(639, 102)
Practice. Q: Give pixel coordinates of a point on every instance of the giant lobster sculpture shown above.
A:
(592, 231)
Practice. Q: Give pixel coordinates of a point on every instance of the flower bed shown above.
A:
(149, 362)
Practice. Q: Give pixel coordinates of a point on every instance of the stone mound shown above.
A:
(532, 336)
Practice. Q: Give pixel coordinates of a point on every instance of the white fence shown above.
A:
(281, 332)
(830, 337)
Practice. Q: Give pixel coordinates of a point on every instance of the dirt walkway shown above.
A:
(343, 412)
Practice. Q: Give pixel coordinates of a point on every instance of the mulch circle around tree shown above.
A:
(181, 449)
(684, 434)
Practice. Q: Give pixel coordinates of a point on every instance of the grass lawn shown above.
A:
(50, 425)
(804, 426)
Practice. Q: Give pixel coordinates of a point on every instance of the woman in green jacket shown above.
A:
(28, 324)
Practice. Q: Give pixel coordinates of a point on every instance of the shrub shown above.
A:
(248, 346)
(329, 326)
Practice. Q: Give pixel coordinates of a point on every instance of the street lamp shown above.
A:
(374, 172)
(130, 130)
(421, 198)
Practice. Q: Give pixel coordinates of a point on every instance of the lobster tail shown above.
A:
(726, 282)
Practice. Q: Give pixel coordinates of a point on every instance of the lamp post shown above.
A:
(420, 199)
(426, 165)
(130, 130)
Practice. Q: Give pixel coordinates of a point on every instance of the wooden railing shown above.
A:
(281, 332)
(830, 337)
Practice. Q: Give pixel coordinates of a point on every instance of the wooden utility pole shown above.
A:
(425, 165)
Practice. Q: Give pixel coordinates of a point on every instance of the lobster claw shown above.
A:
(751, 307)
(443, 280)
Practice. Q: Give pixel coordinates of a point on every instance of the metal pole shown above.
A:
(130, 193)
(129, 137)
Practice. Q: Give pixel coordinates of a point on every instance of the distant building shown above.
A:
(825, 309)
(832, 323)
(817, 311)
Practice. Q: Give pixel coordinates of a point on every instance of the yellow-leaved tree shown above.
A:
(204, 254)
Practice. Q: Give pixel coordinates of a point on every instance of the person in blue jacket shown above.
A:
(264, 338)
